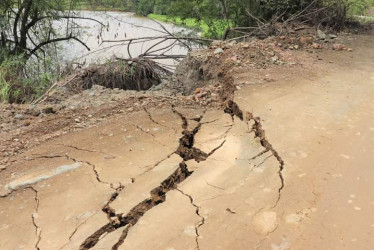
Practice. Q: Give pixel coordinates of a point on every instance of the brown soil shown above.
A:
(262, 139)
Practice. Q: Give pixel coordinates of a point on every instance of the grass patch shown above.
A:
(215, 29)
(86, 6)
(364, 19)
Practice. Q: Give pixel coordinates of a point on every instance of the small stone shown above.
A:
(306, 40)
(198, 90)
(321, 34)
(218, 51)
(317, 46)
(2, 167)
(116, 221)
(18, 116)
(34, 111)
(49, 110)
(274, 59)
(77, 120)
(350, 50)
(216, 43)
(338, 46)
(26, 123)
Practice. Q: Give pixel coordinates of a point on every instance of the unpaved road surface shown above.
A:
(289, 167)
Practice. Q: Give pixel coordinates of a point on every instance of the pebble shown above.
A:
(218, 51)
(274, 59)
(19, 116)
(49, 110)
(33, 111)
(321, 34)
(190, 230)
(338, 46)
(345, 156)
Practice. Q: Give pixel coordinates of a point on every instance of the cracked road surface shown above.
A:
(287, 165)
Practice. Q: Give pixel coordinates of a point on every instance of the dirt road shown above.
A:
(324, 130)
(291, 169)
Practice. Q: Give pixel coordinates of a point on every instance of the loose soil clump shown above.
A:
(127, 75)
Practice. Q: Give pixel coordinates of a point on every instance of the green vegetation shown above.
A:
(361, 7)
(15, 87)
(106, 5)
(29, 36)
(218, 27)
(213, 17)
(28, 44)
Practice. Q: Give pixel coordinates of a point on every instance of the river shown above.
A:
(118, 26)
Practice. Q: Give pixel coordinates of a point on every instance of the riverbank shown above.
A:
(216, 29)
(85, 6)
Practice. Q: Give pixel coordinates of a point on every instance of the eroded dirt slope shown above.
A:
(285, 164)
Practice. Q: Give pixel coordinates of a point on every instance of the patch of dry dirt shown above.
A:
(225, 150)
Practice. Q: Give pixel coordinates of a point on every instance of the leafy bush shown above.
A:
(9, 78)
(14, 87)
(219, 15)
(145, 7)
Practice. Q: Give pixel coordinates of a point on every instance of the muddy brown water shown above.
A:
(119, 26)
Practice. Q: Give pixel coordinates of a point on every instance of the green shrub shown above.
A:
(9, 78)
(14, 87)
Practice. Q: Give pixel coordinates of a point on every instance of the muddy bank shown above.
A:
(206, 78)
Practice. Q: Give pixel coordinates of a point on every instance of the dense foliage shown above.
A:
(221, 14)
(30, 32)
